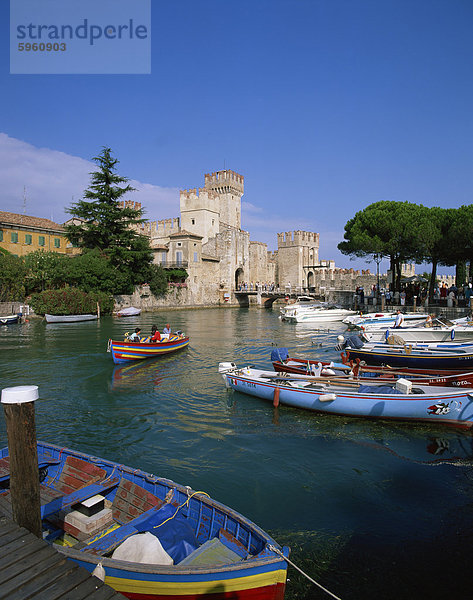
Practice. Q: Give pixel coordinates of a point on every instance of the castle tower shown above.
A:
(219, 201)
(229, 187)
(298, 251)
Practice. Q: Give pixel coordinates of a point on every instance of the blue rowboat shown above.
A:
(123, 352)
(9, 319)
(401, 400)
(94, 510)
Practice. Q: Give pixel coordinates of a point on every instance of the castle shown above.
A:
(219, 257)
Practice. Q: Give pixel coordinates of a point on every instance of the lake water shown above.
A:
(369, 509)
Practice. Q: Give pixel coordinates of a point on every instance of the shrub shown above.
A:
(70, 301)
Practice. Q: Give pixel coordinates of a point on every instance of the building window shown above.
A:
(57, 243)
(179, 257)
(213, 222)
(195, 257)
(14, 238)
(179, 244)
(163, 257)
(41, 240)
(193, 221)
(1, 235)
(28, 239)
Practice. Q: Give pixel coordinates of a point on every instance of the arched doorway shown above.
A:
(238, 278)
(310, 282)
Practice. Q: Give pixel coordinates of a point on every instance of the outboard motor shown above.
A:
(226, 367)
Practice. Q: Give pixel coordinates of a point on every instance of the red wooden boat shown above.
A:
(300, 366)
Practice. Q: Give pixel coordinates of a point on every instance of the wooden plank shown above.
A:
(65, 585)
(32, 569)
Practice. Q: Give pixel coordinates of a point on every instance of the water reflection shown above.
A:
(136, 375)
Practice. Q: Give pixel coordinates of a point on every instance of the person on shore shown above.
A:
(155, 335)
(135, 336)
(399, 319)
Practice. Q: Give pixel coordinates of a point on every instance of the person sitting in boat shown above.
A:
(167, 330)
(135, 336)
(428, 321)
(399, 319)
(155, 335)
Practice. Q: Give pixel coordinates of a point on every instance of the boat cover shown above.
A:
(280, 354)
(176, 535)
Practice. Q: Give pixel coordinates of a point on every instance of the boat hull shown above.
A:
(9, 319)
(69, 318)
(400, 357)
(453, 407)
(123, 352)
(262, 576)
(422, 334)
(424, 376)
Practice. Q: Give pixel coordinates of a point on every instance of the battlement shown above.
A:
(290, 239)
(129, 204)
(164, 227)
(225, 181)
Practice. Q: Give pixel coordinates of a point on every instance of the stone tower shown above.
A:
(229, 187)
(298, 253)
(218, 202)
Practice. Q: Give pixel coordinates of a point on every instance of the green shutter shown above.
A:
(41, 240)
(57, 243)
(28, 239)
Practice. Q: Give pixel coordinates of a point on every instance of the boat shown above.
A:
(438, 355)
(102, 515)
(400, 400)
(316, 313)
(69, 318)
(300, 302)
(282, 363)
(381, 320)
(127, 351)
(130, 311)
(9, 319)
(440, 330)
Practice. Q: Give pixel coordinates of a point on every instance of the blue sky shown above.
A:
(324, 106)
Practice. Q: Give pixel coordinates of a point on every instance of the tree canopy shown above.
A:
(103, 221)
(406, 232)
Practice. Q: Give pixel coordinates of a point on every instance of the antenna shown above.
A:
(24, 199)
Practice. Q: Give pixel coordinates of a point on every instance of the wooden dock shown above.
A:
(32, 568)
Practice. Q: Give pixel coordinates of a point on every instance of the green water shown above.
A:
(370, 510)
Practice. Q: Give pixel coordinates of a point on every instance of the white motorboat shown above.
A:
(440, 330)
(301, 302)
(316, 313)
(373, 321)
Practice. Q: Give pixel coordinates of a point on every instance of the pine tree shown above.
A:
(105, 223)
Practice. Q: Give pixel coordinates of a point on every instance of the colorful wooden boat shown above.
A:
(400, 400)
(442, 355)
(69, 318)
(126, 351)
(216, 553)
(355, 370)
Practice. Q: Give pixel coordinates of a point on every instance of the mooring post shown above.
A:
(18, 406)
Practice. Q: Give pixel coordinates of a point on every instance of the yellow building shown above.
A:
(21, 234)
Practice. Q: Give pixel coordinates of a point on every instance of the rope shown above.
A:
(277, 551)
(179, 507)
